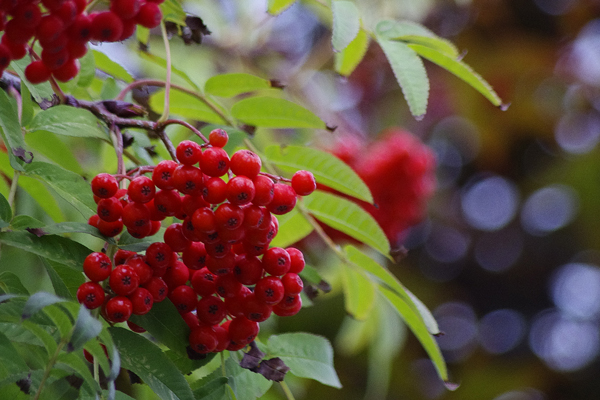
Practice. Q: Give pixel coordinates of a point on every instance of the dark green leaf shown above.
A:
(39, 92)
(65, 280)
(293, 227)
(86, 328)
(55, 149)
(346, 216)
(276, 7)
(327, 168)
(308, 356)
(212, 387)
(185, 364)
(173, 12)
(11, 134)
(359, 293)
(68, 121)
(68, 185)
(21, 222)
(46, 338)
(60, 389)
(348, 59)
(271, 112)
(10, 360)
(460, 69)
(75, 227)
(10, 283)
(27, 106)
(88, 70)
(128, 242)
(346, 24)
(229, 85)
(5, 210)
(145, 359)
(185, 105)
(246, 385)
(55, 248)
(72, 362)
(40, 193)
(107, 65)
(165, 324)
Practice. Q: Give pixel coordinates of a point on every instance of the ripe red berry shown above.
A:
(190, 203)
(269, 290)
(214, 191)
(174, 238)
(214, 162)
(229, 216)
(149, 15)
(55, 60)
(135, 328)
(202, 339)
(245, 162)
(284, 199)
(104, 185)
(211, 310)
(118, 309)
(106, 27)
(141, 267)
(81, 29)
(204, 282)
(50, 27)
(188, 152)
(228, 285)
(167, 202)
(296, 260)
(17, 50)
(110, 229)
(304, 183)
(67, 72)
(276, 261)
(158, 288)
(255, 309)
(110, 210)
(289, 306)
(141, 189)
(124, 280)
(221, 266)
(97, 266)
(204, 220)
(121, 256)
(264, 190)
(188, 179)
(242, 330)
(91, 295)
(67, 12)
(292, 283)
(222, 338)
(218, 250)
(162, 176)
(248, 269)
(184, 298)
(125, 9)
(218, 138)
(177, 274)
(191, 320)
(159, 255)
(240, 190)
(27, 15)
(129, 26)
(141, 301)
(194, 256)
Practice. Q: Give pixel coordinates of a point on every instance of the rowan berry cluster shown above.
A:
(215, 265)
(63, 28)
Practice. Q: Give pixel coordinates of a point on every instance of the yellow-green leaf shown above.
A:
(271, 112)
(276, 7)
(230, 85)
(349, 58)
(185, 105)
(346, 24)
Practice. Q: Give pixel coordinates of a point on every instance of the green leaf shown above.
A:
(55, 149)
(60, 389)
(46, 338)
(110, 67)
(416, 325)
(87, 71)
(410, 74)
(145, 359)
(98, 352)
(172, 11)
(72, 362)
(55, 248)
(347, 217)
(359, 293)
(27, 106)
(40, 91)
(293, 227)
(40, 193)
(10, 360)
(346, 24)
(435, 43)
(86, 328)
(37, 301)
(348, 59)
(276, 7)
(271, 112)
(10, 283)
(308, 356)
(246, 385)
(365, 262)
(10, 131)
(58, 283)
(395, 29)
(22, 222)
(184, 105)
(165, 324)
(327, 168)
(213, 389)
(185, 364)
(68, 121)
(460, 69)
(5, 210)
(142, 34)
(68, 185)
(128, 242)
(75, 227)
(230, 85)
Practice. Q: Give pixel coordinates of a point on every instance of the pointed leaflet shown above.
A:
(293, 227)
(346, 216)
(39, 92)
(110, 67)
(271, 112)
(26, 105)
(308, 356)
(349, 58)
(10, 132)
(68, 121)
(346, 24)
(10, 283)
(148, 361)
(410, 74)
(436, 43)
(5, 211)
(230, 85)
(10, 361)
(327, 168)
(460, 69)
(172, 11)
(412, 32)
(55, 149)
(39, 300)
(58, 282)
(88, 70)
(359, 292)
(215, 389)
(276, 7)
(75, 227)
(40, 193)
(185, 105)
(71, 362)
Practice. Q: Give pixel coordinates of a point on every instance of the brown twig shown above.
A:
(187, 125)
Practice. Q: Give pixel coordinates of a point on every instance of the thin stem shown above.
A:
(187, 125)
(330, 243)
(13, 191)
(165, 114)
(288, 393)
(49, 366)
(57, 90)
(117, 139)
(275, 177)
(168, 144)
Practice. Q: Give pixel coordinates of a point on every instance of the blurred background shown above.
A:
(507, 255)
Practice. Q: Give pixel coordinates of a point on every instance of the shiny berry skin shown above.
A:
(211, 310)
(288, 306)
(141, 189)
(190, 203)
(245, 162)
(162, 176)
(204, 220)
(118, 309)
(188, 179)
(110, 229)
(110, 210)
(215, 190)
(136, 215)
(264, 190)
(106, 27)
(284, 199)
(121, 256)
(191, 320)
(204, 282)
(177, 274)
(292, 283)
(141, 267)
(276, 261)
(218, 250)
(188, 152)
(235, 304)
(269, 290)
(214, 162)
(256, 310)
(296, 260)
(149, 15)
(221, 266)
(174, 238)
(104, 185)
(203, 339)
(184, 298)
(229, 216)
(228, 285)
(242, 330)
(240, 190)
(253, 216)
(81, 29)
(97, 266)
(125, 9)
(91, 295)
(218, 138)
(67, 71)
(141, 301)
(188, 230)
(167, 202)
(135, 328)
(194, 256)
(248, 269)
(124, 280)
(158, 288)
(159, 255)
(304, 183)
(222, 338)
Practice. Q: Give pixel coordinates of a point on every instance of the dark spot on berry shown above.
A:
(90, 298)
(161, 292)
(209, 277)
(237, 270)
(104, 265)
(147, 300)
(213, 236)
(281, 261)
(232, 222)
(126, 280)
(165, 176)
(242, 196)
(202, 261)
(219, 249)
(160, 257)
(161, 208)
(103, 191)
(118, 315)
(190, 185)
(221, 165)
(189, 151)
(146, 190)
(269, 292)
(213, 309)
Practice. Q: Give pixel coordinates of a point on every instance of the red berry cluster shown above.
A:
(215, 265)
(63, 28)
(400, 172)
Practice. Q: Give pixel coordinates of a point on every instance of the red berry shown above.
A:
(228, 285)
(118, 309)
(184, 298)
(222, 338)
(50, 27)
(162, 176)
(124, 280)
(304, 183)
(66, 72)
(288, 306)
(129, 26)
(167, 202)
(191, 320)
(177, 274)
(188, 179)
(17, 33)
(110, 229)
(136, 215)
(242, 330)
(211, 310)
(97, 267)
(292, 283)
(17, 50)
(240, 190)
(255, 309)
(37, 72)
(104, 185)
(135, 328)
(218, 250)
(174, 238)
(141, 267)
(204, 220)
(159, 255)
(188, 152)
(248, 269)
(276, 261)
(67, 12)
(264, 190)
(141, 301)
(214, 162)
(158, 288)
(77, 49)
(110, 210)
(202, 339)
(269, 290)
(28, 15)
(191, 203)
(229, 216)
(141, 189)
(188, 230)
(194, 256)
(121, 256)
(284, 199)
(91, 295)
(221, 266)
(149, 15)
(214, 191)
(52, 4)
(245, 162)
(106, 27)
(81, 29)
(296, 260)
(125, 9)
(204, 282)
(218, 138)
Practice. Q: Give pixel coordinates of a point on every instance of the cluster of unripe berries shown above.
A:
(63, 28)
(215, 265)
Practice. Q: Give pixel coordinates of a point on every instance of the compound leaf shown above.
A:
(346, 24)
(293, 227)
(230, 85)
(110, 67)
(348, 59)
(359, 293)
(68, 121)
(271, 112)
(185, 105)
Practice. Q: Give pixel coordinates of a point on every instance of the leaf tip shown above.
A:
(451, 386)
(504, 106)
